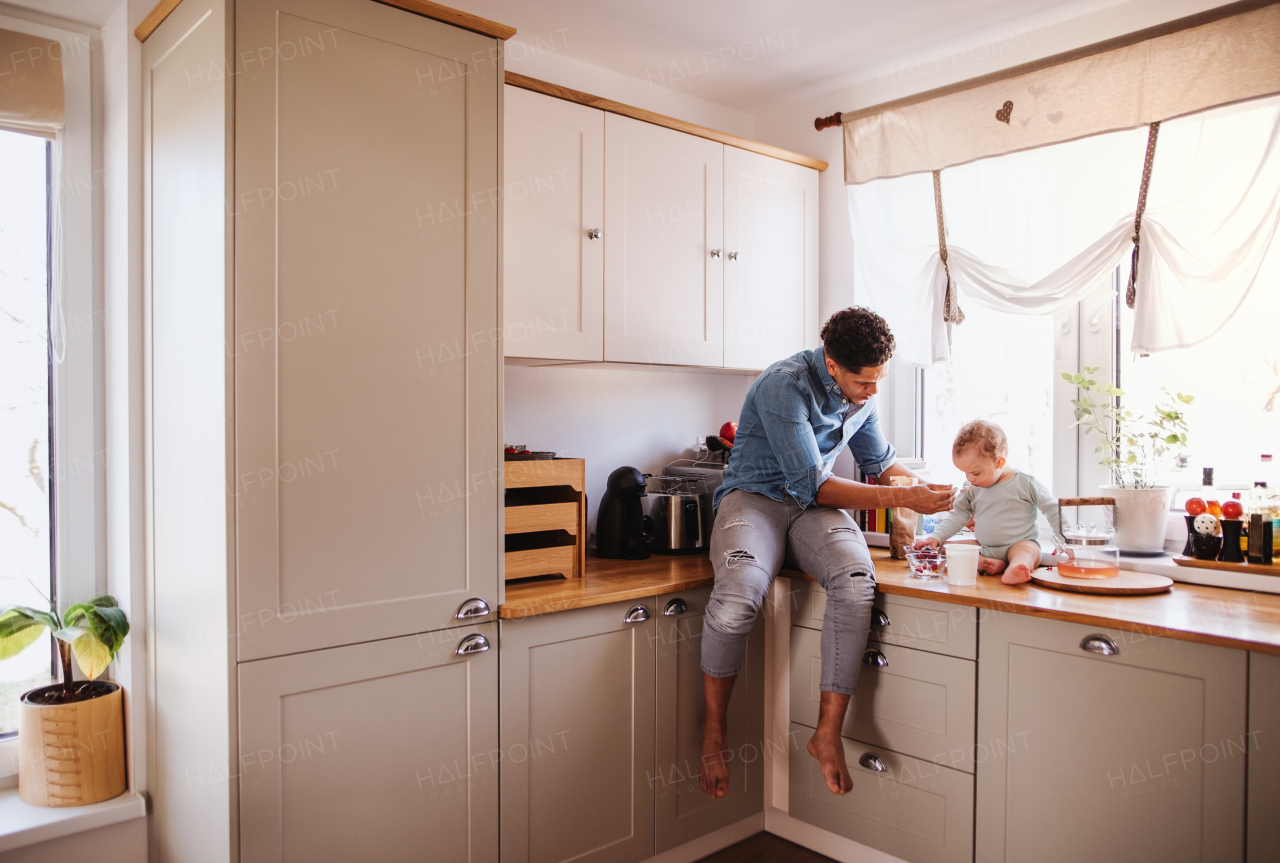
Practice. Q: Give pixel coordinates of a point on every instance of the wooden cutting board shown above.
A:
(1124, 584)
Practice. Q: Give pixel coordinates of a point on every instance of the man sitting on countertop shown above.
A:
(780, 504)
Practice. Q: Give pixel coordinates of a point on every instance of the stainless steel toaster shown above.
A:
(673, 516)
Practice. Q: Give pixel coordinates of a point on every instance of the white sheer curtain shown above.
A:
(1037, 231)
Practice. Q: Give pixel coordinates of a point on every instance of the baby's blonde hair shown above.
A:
(987, 436)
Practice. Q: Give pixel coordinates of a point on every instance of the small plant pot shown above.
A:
(71, 754)
(1142, 518)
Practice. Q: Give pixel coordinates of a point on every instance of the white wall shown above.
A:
(614, 415)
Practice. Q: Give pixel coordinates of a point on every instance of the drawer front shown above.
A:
(914, 810)
(938, 627)
(542, 516)
(920, 703)
(541, 561)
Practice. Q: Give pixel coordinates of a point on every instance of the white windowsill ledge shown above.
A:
(1198, 575)
(22, 824)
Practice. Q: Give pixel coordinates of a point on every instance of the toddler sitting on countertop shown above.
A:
(1001, 501)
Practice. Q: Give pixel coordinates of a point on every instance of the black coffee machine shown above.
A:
(620, 523)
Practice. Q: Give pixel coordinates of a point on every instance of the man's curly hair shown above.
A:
(857, 338)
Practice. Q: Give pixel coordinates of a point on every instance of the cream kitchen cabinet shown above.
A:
(577, 737)
(553, 251)
(1107, 745)
(664, 238)
(684, 812)
(322, 395)
(770, 259)
(1264, 758)
(372, 746)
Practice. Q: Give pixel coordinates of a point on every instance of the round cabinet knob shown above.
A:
(474, 607)
(636, 614)
(473, 643)
(875, 659)
(593, 234)
(733, 256)
(878, 617)
(674, 607)
(871, 761)
(1100, 644)
(715, 253)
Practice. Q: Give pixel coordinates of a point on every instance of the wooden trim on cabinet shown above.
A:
(155, 18)
(524, 82)
(457, 18)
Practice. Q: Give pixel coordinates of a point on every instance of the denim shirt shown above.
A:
(794, 422)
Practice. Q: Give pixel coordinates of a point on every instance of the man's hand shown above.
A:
(927, 542)
(930, 498)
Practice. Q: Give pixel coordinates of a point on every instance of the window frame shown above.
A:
(77, 446)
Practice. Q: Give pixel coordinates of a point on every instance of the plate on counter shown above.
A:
(1124, 584)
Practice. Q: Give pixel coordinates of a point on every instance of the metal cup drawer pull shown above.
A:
(636, 614)
(1100, 644)
(473, 643)
(474, 607)
(878, 617)
(871, 761)
(875, 658)
(674, 607)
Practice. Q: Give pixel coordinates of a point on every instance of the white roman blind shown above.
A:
(31, 89)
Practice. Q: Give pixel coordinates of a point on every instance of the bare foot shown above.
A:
(713, 774)
(991, 566)
(829, 751)
(1019, 573)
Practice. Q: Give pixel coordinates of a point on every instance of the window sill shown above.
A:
(22, 824)
(1198, 575)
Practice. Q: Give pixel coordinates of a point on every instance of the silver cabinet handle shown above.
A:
(474, 607)
(715, 253)
(473, 643)
(674, 607)
(733, 256)
(871, 761)
(1100, 644)
(878, 617)
(593, 234)
(636, 614)
(875, 658)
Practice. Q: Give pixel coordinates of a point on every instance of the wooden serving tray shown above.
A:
(1255, 568)
(1124, 584)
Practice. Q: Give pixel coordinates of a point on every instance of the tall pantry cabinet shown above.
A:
(322, 359)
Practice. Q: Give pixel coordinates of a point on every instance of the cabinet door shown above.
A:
(372, 746)
(684, 812)
(553, 266)
(1264, 758)
(771, 259)
(1133, 756)
(663, 276)
(366, 351)
(577, 736)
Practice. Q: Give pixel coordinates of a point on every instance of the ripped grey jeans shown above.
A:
(754, 535)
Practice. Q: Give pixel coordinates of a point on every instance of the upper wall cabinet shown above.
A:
(632, 242)
(771, 257)
(553, 252)
(366, 414)
(664, 263)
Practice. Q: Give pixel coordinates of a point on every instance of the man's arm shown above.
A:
(840, 493)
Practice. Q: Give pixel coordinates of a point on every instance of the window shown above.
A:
(26, 572)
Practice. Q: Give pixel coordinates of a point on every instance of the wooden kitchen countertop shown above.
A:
(1190, 612)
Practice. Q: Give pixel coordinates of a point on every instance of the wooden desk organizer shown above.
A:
(546, 518)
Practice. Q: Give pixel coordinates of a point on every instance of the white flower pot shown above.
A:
(1142, 516)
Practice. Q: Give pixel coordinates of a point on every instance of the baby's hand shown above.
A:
(927, 542)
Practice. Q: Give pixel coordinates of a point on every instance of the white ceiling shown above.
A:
(771, 50)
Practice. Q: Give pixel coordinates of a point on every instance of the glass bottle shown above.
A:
(1209, 494)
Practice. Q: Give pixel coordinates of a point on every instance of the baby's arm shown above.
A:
(1047, 504)
(957, 518)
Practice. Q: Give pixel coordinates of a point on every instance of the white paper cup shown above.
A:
(962, 564)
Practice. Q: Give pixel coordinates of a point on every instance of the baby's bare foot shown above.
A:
(1019, 573)
(990, 566)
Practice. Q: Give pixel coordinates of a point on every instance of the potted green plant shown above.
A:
(70, 734)
(1131, 446)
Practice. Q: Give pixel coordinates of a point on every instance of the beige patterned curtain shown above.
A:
(1218, 63)
(31, 93)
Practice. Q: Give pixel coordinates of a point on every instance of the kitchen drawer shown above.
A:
(921, 703)
(542, 561)
(920, 623)
(542, 516)
(914, 810)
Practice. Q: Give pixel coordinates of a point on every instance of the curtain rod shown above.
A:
(1207, 17)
